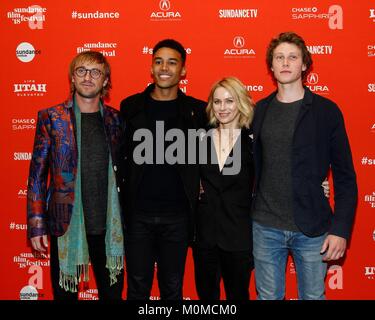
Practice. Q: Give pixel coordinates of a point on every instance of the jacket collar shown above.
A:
(306, 104)
(69, 103)
(308, 97)
(151, 87)
(306, 100)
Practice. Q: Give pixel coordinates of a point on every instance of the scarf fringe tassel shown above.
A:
(70, 282)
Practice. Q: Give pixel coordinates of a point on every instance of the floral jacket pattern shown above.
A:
(53, 167)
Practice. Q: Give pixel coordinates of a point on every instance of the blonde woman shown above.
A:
(223, 245)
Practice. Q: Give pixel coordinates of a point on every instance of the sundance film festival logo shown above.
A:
(108, 49)
(370, 272)
(165, 13)
(90, 294)
(25, 52)
(370, 198)
(335, 15)
(34, 16)
(371, 50)
(35, 270)
(238, 13)
(239, 49)
(35, 282)
(314, 85)
(29, 88)
(320, 50)
(27, 259)
(19, 124)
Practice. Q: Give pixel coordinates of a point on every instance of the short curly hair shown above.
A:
(293, 38)
(171, 44)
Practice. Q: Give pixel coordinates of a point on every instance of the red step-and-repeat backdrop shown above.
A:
(222, 38)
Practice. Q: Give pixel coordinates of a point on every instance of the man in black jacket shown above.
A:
(298, 137)
(159, 198)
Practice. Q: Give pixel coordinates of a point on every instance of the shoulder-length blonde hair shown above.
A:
(244, 102)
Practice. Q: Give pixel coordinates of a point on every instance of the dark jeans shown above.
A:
(96, 244)
(163, 240)
(211, 264)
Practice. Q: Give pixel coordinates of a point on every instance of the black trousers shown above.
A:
(96, 245)
(212, 264)
(163, 240)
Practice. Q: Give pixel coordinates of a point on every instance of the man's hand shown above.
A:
(326, 189)
(39, 243)
(334, 247)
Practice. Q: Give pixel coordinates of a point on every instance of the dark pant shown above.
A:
(96, 244)
(211, 264)
(163, 240)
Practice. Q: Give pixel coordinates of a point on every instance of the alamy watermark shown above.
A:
(174, 146)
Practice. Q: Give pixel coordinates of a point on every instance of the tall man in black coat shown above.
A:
(298, 137)
(160, 196)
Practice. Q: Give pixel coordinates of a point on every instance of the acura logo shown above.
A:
(239, 42)
(313, 78)
(164, 5)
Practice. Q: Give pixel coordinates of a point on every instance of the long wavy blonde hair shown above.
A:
(244, 102)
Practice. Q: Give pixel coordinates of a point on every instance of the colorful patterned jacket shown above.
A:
(53, 167)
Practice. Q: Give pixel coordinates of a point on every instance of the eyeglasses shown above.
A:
(82, 71)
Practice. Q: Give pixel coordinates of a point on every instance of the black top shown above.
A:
(191, 115)
(223, 215)
(94, 172)
(273, 206)
(161, 192)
